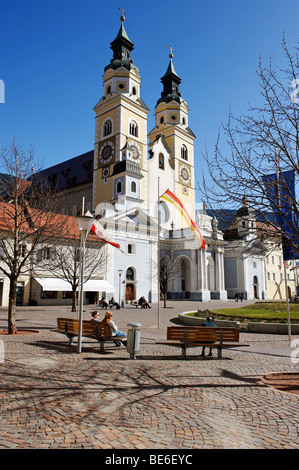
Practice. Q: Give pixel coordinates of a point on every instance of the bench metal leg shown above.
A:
(219, 355)
(184, 352)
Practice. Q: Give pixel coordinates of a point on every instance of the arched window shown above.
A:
(107, 127)
(161, 161)
(130, 274)
(133, 128)
(133, 187)
(184, 152)
(118, 187)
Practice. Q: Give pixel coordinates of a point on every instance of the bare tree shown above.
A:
(22, 227)
(64, 262)
(262, 142)
(167, 274)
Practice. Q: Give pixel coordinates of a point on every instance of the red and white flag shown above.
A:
(102, 235)
(170, 197)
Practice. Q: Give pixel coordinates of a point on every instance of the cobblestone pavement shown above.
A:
(54, 398)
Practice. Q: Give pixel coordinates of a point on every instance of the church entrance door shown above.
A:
(130, 292)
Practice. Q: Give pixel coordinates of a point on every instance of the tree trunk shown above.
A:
(12, 329)
(74, 307)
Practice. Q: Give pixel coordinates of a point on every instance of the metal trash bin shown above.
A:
(133, 339)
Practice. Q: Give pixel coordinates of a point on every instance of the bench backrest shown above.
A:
(193, 333)
(89, 328)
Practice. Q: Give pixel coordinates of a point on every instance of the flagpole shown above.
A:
(158, 254)
(81, 251)
(284, 263)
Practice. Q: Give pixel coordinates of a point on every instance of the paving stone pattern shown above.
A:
(54, 398)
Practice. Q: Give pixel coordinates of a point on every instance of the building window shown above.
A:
(134, 91)
(133, 129)
(161, 161)
(119, 187)
(268, 276)
(184, 152)
(131, 249)
(45, 254)
(273, 276)
(67, 295)
(48, 294)
(130, 275)
(22, 250)
(107, 128)
(133, 187)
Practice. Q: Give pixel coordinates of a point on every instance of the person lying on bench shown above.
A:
(208, 322)
(114, 331)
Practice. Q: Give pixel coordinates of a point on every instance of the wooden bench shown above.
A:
(191, 336)
(90, 329)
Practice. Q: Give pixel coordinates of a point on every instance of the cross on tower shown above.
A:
(123, 13)
(171, 51)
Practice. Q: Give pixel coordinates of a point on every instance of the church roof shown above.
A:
(127, 166)
(122, 34)
(71, 173)
(171, 83)
(122, 48)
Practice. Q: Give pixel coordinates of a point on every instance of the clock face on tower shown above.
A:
(185, 174)
(106, 152)
(136, 152)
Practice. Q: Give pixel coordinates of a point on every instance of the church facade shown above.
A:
(122, 179)
(132, 168)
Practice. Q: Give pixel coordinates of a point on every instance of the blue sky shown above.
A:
(53, 54)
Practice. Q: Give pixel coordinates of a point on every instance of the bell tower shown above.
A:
(120, 121)
(171, 117)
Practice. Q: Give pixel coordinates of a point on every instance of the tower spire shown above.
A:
(122, 48)
(171, 82)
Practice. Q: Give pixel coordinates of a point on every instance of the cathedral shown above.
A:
(125, 175)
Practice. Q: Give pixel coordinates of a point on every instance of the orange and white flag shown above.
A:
(170, 197)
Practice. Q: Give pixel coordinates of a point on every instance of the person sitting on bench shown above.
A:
(103, 303)
(95, 316)
(208, 322)
(113, 302)
(144, 303)
(114, 331)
